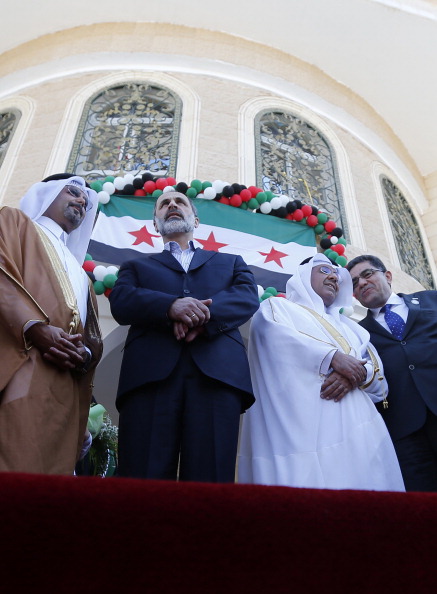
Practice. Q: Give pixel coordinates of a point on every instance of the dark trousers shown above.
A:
(185, 427)
(417, 455)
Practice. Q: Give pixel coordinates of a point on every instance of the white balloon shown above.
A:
(99, 272)
(260, 291)
(112, 270)
(333, 239)
(348, 311)
(284, 199)
(218, 185)
(266, 207)
(168, 189)
(108, 187)
(209, 193)
(276, 203)
(119, 183)
(103, 197)
(128, 178)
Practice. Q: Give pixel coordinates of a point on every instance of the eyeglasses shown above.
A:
(328, 270)
(73, 191)
(365, 274)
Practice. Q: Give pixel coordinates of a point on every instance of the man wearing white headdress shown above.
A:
(315, 378)
(50, 340)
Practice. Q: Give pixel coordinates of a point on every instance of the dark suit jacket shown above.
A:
(142, 295)
(410, 364)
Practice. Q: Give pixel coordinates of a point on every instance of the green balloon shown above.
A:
(99, 287)
(253, 203)
(244, 206)
(156, 193)
(318, 229)
(342, 241)
(109, 280)
(271, 290)
(328, 252)
(269, 195)
(88, 257)
(192, 192)
(261, 197)
(196, 183)
(97, 186)
(206, 184)
(341, 261)
(109, 178)
(322, 218)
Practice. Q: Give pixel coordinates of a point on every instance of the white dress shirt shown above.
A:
(75, 272)
(399, 307)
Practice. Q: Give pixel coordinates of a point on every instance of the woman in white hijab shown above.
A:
(315, 379)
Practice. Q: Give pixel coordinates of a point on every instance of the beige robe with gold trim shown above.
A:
(43, 409)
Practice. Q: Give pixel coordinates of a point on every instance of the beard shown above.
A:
(73, 216)
(176, 225)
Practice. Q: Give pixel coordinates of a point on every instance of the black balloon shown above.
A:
(182, 187)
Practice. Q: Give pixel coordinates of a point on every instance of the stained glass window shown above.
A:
(295, 159)
(132, 128)
(8, 124)
(406, 233)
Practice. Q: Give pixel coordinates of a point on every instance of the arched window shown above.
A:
(294, 158)
(8, 125)
(132, 127)
(408, 241)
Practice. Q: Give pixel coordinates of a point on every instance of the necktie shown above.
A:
(393, 321)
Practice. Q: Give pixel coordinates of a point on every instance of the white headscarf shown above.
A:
(39, 197)
(299, 289)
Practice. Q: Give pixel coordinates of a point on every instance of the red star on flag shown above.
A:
(142, 236)
(211, 243)
(274, 256)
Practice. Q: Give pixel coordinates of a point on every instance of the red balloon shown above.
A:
(236, 200)
(171, 181)
(107, 292)
(246, 195)
(89, 265)
(330, 226)
(254, 191)
(339, 248)
(161, 183)
(149, 187)
(289, 216)
(298, 214)
(139, 193)
(312, 220)
(223, 200)
(307, 210)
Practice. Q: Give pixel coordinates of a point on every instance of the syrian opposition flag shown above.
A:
(271, 246)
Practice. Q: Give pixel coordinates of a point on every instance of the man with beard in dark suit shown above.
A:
(185, 378)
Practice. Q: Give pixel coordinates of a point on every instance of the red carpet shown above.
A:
(62, 535)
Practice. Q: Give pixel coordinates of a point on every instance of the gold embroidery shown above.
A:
(64, 281)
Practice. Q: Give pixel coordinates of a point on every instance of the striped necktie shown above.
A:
(393, 321)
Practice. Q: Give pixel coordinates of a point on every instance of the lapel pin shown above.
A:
(415, 301)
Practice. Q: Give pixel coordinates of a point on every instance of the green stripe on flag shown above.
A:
(220, 215)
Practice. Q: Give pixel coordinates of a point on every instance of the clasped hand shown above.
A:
(66, 351)
(189, 316)
(348, 374)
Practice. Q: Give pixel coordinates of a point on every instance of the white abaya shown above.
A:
(291, 436)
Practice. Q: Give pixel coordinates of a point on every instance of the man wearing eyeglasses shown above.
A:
(50, 340)
(403, 328)
(315, 378)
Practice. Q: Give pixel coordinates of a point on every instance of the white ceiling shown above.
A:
(383, 50)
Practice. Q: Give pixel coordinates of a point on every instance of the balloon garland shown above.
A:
(236, 195)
